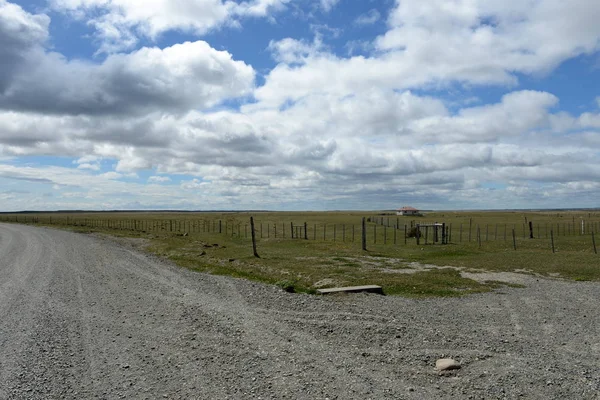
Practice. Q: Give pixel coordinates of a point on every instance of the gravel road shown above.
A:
(83, 317)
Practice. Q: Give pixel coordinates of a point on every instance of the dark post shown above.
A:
(418, 234)
(444, 238)
(552, 239)
(405, 234)
(470, 226)
(514, 239)
(305, 232)
(594, 243)
(478, 236)
(220, 226)
(530, 230)
(292, 229)
(253, 237)
(364, 234)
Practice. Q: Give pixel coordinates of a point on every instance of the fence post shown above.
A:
(552, 240)
(470, 227)
(292, 229)
(253, 237)
(594, 243)
(364, 234)
(405, 234)
(305, 232)
(444, 238)
(514, 239)
(530, 230)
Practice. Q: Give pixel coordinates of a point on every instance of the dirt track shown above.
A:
(82, 317)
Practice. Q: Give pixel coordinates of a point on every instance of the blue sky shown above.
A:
(299, 105)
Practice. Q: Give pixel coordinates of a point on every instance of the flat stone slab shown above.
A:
(352, 289)
(446, 364)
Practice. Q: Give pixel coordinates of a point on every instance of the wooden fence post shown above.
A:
(305, 232)
(470, 227)
(364, 234)
(444, 238)
(514, 239)
(552, 240)
(594, 243)
(253, 237)
(530, 229)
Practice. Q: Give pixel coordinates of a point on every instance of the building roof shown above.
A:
(408, 208)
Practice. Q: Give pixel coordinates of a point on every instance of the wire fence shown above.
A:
(378, 230)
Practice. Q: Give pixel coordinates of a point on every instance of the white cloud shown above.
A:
(119, 23)
(92, 167)
(438, 43)
(292, 51)
(328, 5)
(159, 179)
(369, 18)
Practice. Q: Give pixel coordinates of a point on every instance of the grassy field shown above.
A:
(220, 243)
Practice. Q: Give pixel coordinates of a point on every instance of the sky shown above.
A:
(299, 104)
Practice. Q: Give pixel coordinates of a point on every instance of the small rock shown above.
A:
(445, 364)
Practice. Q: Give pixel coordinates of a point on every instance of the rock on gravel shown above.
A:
(82, 317)
(445, 364)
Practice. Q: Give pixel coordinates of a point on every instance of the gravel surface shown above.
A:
(83, 317)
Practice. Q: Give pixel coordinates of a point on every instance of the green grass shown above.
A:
(333, 259)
